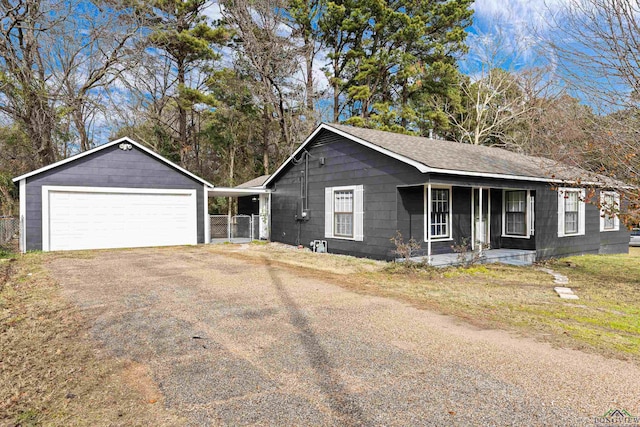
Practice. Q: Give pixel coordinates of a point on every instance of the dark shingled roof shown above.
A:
(455, 156)
(255, 182)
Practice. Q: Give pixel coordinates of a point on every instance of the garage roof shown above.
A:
(110, 144)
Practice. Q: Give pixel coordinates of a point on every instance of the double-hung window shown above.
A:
(440, 213)
(515, 212)
(344, 212)
(609, 206)
(571, 201)
(571, 212)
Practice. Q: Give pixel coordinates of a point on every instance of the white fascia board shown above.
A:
(110, 144)
(235, 192)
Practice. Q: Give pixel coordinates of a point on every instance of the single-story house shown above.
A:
(355, 188)
(120, 194)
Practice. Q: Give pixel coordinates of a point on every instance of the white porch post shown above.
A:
(428, 222)
(206, 219)
(269, 217)
(480, 221)
(23, 215)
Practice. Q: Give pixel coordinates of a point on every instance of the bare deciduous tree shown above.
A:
(596, 44)
(493, 97)
(266, 51)
(56, 60)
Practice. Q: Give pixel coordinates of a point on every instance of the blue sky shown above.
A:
(520, 25)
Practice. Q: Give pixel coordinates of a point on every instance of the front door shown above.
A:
(481, 217)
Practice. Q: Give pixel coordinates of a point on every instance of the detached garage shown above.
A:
(118, 195)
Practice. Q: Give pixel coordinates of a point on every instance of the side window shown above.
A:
(344, 212)
(609, 206)
(571, 208)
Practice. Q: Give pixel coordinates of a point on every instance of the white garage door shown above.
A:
(100, 218)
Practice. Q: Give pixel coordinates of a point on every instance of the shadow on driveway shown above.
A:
(342, 404)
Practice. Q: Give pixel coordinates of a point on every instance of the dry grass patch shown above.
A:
(51, 373)
(606, 318)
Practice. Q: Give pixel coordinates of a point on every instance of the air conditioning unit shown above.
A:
(319, 246)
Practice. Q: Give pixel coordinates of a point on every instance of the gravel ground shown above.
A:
(235, 344)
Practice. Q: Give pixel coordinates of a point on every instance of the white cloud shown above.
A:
(213, 11)
(517, 28)
(528, 13)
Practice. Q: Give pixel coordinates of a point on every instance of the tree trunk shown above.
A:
(183, 142)
(336, 92)
(265, 141)
(232, 166)
(80, 127)
(309, 64)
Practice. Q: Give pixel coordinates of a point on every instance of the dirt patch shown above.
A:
(138, 377)
(52, 373)
(519, 299)
(251, 337)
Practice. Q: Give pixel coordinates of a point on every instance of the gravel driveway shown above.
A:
(234, 343)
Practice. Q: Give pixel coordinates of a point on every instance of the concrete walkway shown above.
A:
(231, 343)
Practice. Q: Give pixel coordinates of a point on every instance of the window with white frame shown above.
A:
(515, 213)
(609, 206)
(571, 212)
(344, 212)
(440, 212)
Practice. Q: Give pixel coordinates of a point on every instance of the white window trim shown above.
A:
(358, 212)
(427, 214)
(581, 211)
(528, 215)
(46, 189)
(616, 219)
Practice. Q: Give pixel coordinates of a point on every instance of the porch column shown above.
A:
(428, 222)
(480, 221)
(207, 219)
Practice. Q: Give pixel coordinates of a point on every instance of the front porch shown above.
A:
(504, 256)
(450, 219)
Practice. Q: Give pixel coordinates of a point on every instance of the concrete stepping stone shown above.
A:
(560, 279)
(565, 293)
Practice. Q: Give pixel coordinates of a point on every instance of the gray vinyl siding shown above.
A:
(549, 245)
(346, 163)
(393, 201)
(110, 167)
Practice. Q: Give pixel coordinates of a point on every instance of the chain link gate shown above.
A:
(241, 228)
(219, 227)
(235, 229)
(9, 226)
